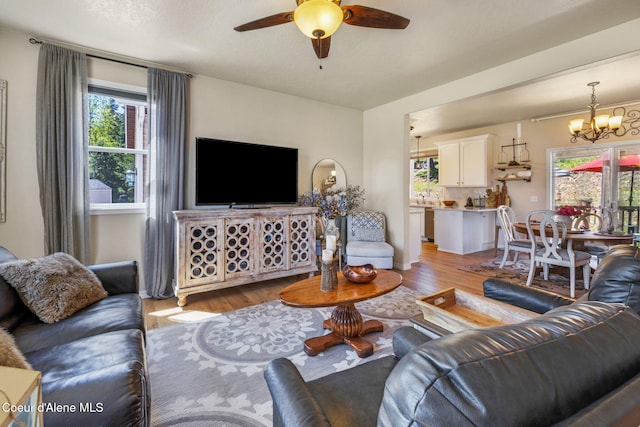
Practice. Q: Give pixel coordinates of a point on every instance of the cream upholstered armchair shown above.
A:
(366, 240)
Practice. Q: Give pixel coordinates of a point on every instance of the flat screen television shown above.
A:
(245, 175)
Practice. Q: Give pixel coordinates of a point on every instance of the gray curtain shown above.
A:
(61, 146)
(167, 98)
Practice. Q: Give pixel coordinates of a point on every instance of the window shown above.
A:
(602, 178)
(118, 147)
(424, 177)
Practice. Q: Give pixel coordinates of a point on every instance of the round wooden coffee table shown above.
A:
(346, 322)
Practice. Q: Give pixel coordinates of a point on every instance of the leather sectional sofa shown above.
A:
(576, 364)
(617, 280)
(93, 363)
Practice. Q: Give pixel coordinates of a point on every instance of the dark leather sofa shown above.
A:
(576, 364)
(617, 280)
(348, 398)
(93, 363)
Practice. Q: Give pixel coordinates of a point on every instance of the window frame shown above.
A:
(412, 171)
(129, 95)
(610, 192)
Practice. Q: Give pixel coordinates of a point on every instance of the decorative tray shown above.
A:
(456, 310)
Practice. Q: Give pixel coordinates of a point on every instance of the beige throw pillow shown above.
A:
(53, 287)
(10, 354)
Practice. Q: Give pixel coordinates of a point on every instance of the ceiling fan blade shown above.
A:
(321, 47)
(269, 21)
(364, 16)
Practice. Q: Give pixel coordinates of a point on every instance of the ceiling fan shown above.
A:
(319, 19)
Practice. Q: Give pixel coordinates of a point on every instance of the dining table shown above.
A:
(582, 236)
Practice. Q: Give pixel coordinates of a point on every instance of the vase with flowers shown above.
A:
(333, 205)
(567, 214)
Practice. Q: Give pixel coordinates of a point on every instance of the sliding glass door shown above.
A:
(601, 178)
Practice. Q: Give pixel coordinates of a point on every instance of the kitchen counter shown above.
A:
(463, 231)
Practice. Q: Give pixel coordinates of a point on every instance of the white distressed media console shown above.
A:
(221, 248)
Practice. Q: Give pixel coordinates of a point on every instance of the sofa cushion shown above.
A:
(10, 355)
(617, 278)
(537, 372)
(369, 249)
(53, 287)
(11, 308)
(117, 312)
(104, 373)
(366, 225)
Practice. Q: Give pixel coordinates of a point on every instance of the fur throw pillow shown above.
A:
(53, 287)
(10, 355)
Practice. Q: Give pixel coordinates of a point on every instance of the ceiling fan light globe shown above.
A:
(318, 17)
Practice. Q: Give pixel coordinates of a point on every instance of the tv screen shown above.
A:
(239, 173)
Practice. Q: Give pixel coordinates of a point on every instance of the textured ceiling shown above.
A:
(366, 67)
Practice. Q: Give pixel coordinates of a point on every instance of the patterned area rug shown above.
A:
(517, 273)
(210, 373)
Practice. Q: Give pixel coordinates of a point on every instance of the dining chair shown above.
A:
(552, 234)
(591, 221)
(513, 242)
(587, 221)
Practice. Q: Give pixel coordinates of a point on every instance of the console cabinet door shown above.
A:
(272, 243)
(301, 240)
(202, 258)
(239, 247)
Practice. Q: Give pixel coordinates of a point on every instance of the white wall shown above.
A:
(386, 129)
(22, 232)
(216, 109)
(225, 110)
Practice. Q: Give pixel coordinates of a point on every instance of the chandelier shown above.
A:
(603, 125)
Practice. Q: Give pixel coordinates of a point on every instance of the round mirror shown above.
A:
(328, 174)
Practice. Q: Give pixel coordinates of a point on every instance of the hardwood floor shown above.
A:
(435, 271)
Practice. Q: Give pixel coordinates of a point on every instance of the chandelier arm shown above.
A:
(633, 122)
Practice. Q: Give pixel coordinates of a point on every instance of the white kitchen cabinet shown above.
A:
(465, 162)
(464, 231)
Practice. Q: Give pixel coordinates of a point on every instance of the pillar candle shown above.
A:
(327, 255)
(331, 242)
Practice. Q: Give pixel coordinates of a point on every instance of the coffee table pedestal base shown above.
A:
(346, 327)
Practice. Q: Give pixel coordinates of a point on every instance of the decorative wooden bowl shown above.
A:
(449, 203)
(360, 273)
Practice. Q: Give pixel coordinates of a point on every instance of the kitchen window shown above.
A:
(424, 177)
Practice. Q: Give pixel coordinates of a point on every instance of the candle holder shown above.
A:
(334, 273)
(325, 276)
(327, 273)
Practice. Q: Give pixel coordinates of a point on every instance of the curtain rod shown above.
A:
(33, 40)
